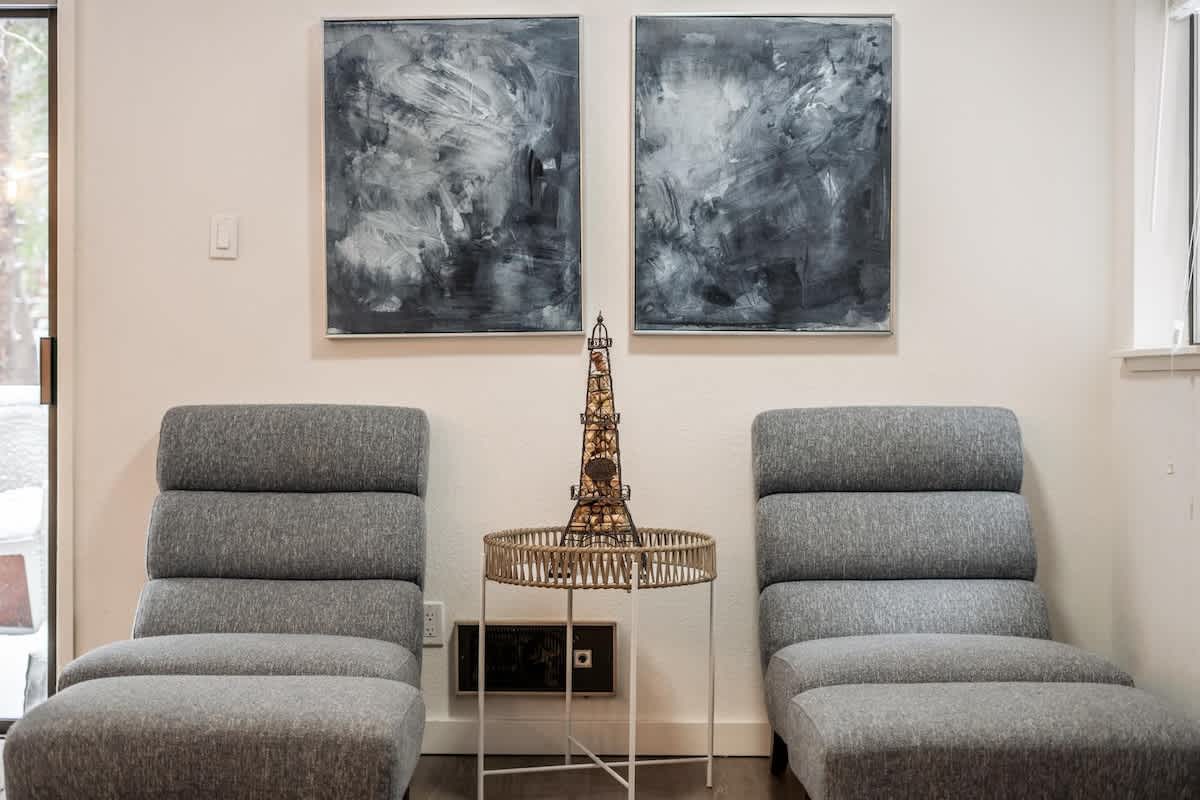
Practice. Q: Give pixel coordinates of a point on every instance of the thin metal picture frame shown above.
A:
(631, 155)
(582, 179)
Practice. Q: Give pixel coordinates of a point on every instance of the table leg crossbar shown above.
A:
(651, 762)
(596, 762)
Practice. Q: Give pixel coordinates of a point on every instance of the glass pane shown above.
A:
(24, 318)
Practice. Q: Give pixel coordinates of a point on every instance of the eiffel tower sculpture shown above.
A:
(601, 516)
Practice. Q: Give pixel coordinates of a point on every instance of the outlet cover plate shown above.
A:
(434, 634)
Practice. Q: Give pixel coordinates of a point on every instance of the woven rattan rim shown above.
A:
(533, 557)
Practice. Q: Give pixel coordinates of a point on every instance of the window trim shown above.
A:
(1193, 298)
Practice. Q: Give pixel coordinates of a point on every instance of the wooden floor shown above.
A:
(453, 778)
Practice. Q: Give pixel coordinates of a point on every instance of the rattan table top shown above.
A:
(533, 557)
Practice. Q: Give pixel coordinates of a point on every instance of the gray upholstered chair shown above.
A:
(907, 651)
(277, 643)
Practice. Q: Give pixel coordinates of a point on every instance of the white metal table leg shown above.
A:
(712, 683)
(633, 660)
(572, 745)
(570, 655)
(482, 626)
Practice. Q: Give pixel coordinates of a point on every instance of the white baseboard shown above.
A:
(545, 737)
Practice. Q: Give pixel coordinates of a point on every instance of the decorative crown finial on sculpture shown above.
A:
(599, 340)
(601, 515)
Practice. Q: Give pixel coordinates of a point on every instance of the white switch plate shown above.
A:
(223, 237)
(435, 624)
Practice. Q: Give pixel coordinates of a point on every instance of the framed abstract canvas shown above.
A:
(762, 174)
(452, 176)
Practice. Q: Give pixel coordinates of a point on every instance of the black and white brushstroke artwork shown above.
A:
(452, 176)
(762, 174)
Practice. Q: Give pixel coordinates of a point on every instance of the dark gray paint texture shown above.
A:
(452, 176)
(762, 174)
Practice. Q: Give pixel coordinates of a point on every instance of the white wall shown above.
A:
(1157, 544)
(1156, 416)
(1004, 177)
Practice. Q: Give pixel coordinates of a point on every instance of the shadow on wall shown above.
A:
(1047, 554)
(841, 344)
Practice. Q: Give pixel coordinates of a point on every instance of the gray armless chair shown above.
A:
(277, 643)
(907, 650)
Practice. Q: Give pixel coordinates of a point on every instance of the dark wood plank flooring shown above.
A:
(453, 778)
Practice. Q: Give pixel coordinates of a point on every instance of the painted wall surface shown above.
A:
(1003, 178)
(1157, 539)
(1156, 416)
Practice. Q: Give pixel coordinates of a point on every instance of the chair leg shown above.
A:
(779, 755)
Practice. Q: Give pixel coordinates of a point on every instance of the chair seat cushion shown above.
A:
(246, 654)
(800, 611)
(179, 736)
(991, 740)
(926, 658)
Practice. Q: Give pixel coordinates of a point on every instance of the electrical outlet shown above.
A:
(435, 626)
(583, 659)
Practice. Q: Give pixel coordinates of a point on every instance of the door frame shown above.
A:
(65, 351)
(54, 461)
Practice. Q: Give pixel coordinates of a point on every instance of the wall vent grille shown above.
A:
(528, 658)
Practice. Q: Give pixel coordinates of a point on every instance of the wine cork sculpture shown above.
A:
(600, 546)
(601, 515)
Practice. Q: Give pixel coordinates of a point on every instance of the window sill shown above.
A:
(1161, 359)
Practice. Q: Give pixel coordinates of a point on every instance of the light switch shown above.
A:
(223, 236)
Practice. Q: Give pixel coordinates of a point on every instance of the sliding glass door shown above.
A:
(27, 423)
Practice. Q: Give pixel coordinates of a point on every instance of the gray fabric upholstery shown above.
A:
(277, 644)
(908, 649)
(293, 448)
(387, 610)
(246, 654)
(1007, 741)
(869, 536)
(925, 658)
(887, 449)
(168, 736)
(797, 611)
(322, 536)
(882, 520)
(288, 519)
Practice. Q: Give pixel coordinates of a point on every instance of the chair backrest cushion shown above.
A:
(887, 449)
(892, 520)
(293, 448)
(288, 519)
(390, 611)
(797, 611)
(894, 535)
(287, 535)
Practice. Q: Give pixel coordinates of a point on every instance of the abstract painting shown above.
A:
(762, 174)
(452, 176)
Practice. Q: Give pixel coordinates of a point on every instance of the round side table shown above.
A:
(533, 557)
